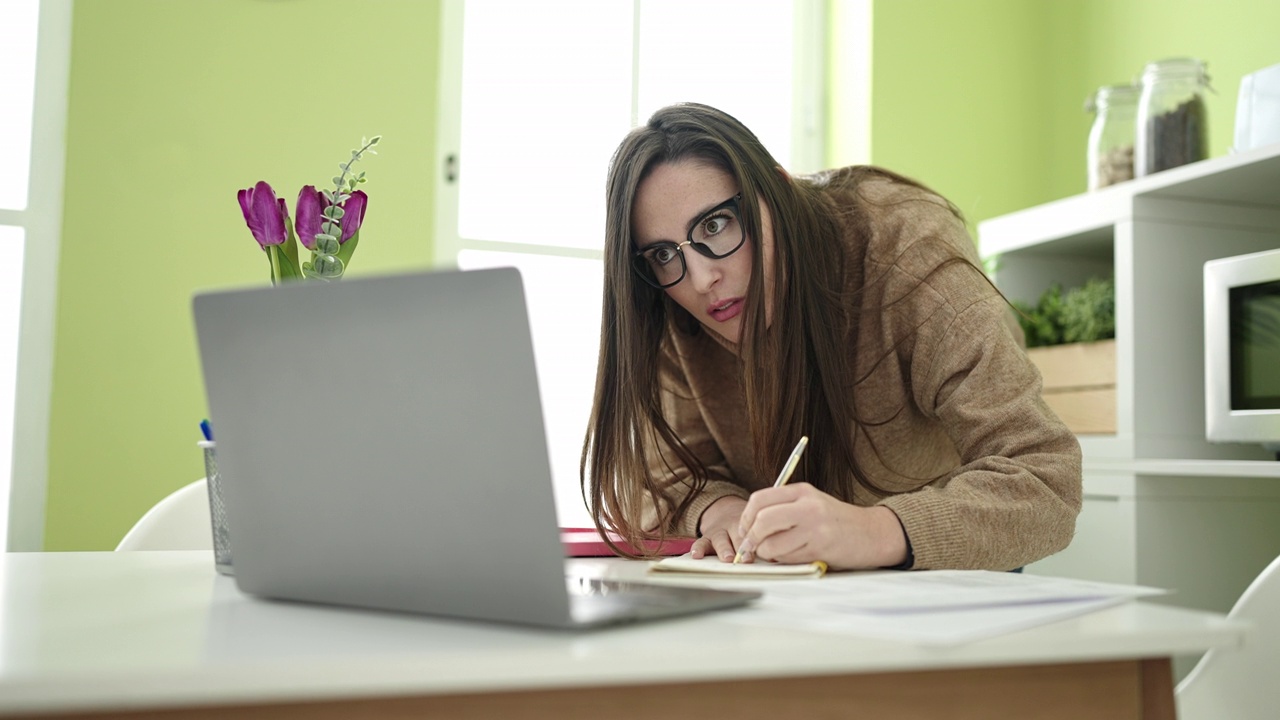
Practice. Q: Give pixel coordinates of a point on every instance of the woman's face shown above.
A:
(673, 202)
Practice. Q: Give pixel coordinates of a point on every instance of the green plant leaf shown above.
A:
(348, 249)
(289, 258)
(1089, 312)
(289, 267)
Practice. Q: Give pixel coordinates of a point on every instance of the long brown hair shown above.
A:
(795, 371)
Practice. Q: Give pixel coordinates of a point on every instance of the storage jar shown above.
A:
(1171, 115)
(1111, 137)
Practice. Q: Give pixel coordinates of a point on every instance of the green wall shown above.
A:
(960, 96)
(1235, 37)
(983, 99)
(174, 106)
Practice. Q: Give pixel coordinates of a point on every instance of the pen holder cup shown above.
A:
(217, 509)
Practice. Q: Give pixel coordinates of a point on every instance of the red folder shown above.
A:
(586, 542)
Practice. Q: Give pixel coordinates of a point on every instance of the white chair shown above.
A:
(1241, 683)
(178, 522)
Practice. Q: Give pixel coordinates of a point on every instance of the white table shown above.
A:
(82, 634)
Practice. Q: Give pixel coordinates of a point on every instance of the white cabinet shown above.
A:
(1163, 506)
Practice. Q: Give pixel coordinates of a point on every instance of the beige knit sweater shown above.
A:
(980, 472)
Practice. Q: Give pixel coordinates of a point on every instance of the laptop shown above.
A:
(381, 445)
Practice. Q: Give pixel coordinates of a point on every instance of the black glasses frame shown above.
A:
(642, 267)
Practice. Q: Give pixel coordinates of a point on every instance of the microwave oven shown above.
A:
(1242, 349)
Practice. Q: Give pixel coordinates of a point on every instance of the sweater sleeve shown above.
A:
(1015, 497)
(683, 412)
(1016, 492)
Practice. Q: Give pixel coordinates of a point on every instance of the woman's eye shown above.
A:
(714, 225)
(663, 255)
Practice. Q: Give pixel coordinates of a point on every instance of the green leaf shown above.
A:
(326, 244)
(289, 266)
(349, 249)
(337, 180)
(328, 266)
(1089, 312)
(290, 255)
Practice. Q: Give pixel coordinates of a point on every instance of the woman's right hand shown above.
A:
(719, 528)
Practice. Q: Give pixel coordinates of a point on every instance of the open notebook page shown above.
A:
(712, 565)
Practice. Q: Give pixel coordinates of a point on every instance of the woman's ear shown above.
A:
(785, 176)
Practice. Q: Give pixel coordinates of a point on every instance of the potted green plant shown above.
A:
(1070, 338)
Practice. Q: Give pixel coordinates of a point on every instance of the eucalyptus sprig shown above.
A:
(329, 257)
(327, 223)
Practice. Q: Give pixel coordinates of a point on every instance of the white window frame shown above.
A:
(42, 226)
(808, 142)
(809, 117)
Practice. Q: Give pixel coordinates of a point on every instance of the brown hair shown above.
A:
(794, 372)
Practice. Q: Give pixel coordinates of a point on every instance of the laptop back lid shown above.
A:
(381, 444)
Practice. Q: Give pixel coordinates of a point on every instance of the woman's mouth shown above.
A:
(725, 310)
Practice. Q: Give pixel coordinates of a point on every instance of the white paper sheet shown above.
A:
(942, 607)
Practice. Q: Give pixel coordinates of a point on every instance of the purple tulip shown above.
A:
(310, 211)
(309, 220)
(266, 215)
(353, 214)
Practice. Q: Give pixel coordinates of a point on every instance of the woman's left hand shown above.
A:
(799, 523)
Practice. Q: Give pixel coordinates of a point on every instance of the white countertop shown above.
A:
(162, 629)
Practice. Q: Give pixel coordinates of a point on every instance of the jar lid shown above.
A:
(1109, 95)
(1176, 67)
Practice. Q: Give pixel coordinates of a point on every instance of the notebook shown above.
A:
(381, 445)
(712, 565)
(587, 542)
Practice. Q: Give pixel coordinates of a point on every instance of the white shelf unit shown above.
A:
(1163, 506)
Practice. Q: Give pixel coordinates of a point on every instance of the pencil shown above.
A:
(787, 468)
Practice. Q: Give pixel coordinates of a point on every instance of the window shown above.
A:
(534, 99)
(35, 52)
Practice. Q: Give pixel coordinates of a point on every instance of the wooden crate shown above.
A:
(1080, 384)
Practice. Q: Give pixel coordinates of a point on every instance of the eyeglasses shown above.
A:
(717, 235)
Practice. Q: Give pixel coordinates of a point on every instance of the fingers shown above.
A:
(719, 527)
(768, 513)
(701, 548)
(768, 497)
(719, 543)
(766, 538)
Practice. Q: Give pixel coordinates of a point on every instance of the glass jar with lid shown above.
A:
(1111, 137)
(1171, 115)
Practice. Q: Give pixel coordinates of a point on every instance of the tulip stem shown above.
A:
(274, 259)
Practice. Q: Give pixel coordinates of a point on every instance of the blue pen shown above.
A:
(207, 429)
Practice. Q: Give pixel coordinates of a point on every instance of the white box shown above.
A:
(1258, 109)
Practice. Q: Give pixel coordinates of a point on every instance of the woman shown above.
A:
(745, 308)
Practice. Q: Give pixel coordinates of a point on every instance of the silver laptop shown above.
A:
(381, 445)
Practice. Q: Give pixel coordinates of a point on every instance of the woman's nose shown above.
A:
(702, 271)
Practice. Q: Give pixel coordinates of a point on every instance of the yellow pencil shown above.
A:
(787, 468)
